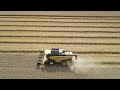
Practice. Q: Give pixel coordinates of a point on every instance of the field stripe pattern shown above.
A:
(7, 21)
(95, 38)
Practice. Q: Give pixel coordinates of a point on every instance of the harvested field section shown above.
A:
(20, 32)
(58, 28)
(97, 39)
(59, 24)
(59, 17)
(69, 34)
(78, 48)
(59, 21)
(58, 40)
(22, 66)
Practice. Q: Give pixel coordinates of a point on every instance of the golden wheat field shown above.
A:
(96, 40)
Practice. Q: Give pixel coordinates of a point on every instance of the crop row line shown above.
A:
(55, 16)
(38, 51)
(62, 31)
(67, 43)
(63, 26)
(65, 18)
(59, 36)
(55, 21)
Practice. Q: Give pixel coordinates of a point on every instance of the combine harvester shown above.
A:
(55, 56)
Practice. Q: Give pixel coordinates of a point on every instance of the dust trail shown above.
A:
(83, 65)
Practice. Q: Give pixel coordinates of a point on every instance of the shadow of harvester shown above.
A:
(54, 68)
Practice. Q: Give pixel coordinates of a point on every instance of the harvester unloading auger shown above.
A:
(55, 56)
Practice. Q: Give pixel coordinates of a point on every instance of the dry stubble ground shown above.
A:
(23, 65)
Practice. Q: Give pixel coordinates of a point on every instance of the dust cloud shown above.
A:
(83, 65)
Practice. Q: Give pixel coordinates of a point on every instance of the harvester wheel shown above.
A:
(50, 63)
(38, 66)
(64, 63)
